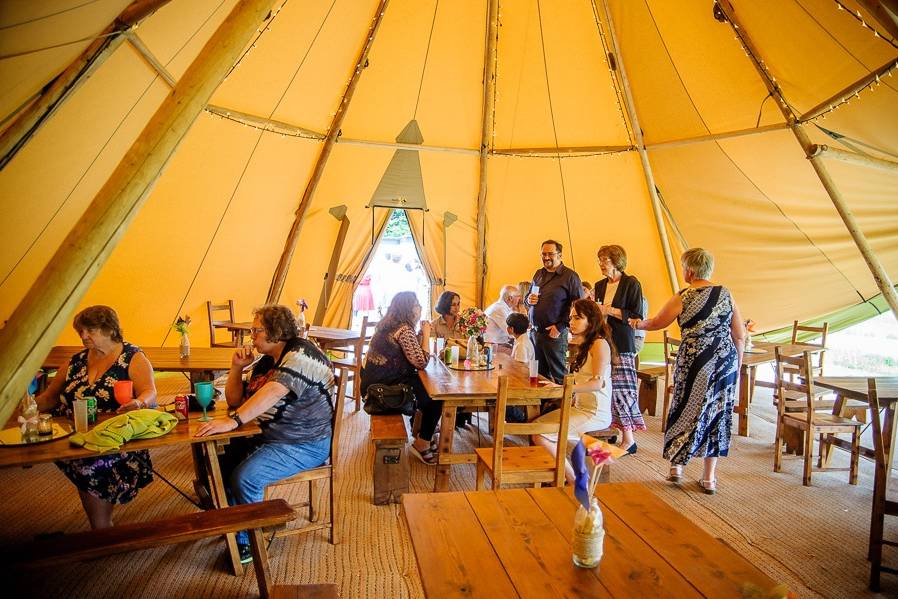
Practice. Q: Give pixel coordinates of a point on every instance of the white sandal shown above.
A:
(676, 474)
(708, 486)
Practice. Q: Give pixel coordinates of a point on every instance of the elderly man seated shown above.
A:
(497, 313)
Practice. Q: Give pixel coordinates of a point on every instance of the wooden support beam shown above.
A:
(486, 141)
(885, 12)
(280, 272)
(46, 308)
(716, 136)
(853, 157)
(553, 151)
(32, 117)
(880, 276)
(149, 57)
(331, 275)
(643, 153)
(849, 90)
(272, 125)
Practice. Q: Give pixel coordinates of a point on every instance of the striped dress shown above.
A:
(705, 378)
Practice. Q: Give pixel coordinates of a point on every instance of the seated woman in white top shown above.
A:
(592, 389)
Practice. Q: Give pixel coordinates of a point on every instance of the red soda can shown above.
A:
(181, 405)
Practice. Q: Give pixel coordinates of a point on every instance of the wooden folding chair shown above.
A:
(818, 339)
(797, 407)
(882, 506)
(354, 359)
(532, 464)
(671, 347)
(327, 471)
(216, 324)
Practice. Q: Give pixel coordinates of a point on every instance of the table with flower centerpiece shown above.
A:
(518, 543)
(458, 388)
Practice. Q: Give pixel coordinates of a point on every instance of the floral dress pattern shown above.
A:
(705, 378)
(114, 478)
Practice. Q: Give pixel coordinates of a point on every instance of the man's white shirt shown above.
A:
(496, 314)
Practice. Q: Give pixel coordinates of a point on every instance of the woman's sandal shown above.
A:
(427, 456)
(676, 474)
(708, 486)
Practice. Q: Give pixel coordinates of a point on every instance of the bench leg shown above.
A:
(447, 431)
(260, 562)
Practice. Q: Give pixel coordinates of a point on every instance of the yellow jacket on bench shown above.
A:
(111, 434)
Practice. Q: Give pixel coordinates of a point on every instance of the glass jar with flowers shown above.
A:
(472, 322)
(182, 326)
(749, 329)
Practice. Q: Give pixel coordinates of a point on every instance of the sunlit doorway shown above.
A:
(396, 266)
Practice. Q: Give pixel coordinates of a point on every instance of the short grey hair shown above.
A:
(507, 291)
(699, 261)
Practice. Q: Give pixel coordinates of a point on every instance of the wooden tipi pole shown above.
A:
(643, 154)
(280, 272)
(35, 114)
(486, 141)
(45, 310)
(885, 12)
(879, 274)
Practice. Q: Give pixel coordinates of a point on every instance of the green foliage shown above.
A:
(397, 226)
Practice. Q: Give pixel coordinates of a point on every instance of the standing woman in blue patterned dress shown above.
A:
(706, 375)
(106, 358)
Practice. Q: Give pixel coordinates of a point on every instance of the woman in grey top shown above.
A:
(289, 392)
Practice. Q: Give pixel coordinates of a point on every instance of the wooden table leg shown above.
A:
(826, 449)
(220, 500)
(744, 398)
(447, 432)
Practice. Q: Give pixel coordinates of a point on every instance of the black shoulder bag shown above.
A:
(390, 399)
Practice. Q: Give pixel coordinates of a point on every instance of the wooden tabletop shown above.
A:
(517, 543)
(163, 359)
(326, 336)
(62, 449)
(447, 383)
(756, 358)
(855, 387)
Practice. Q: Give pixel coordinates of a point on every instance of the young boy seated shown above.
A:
(517, 325)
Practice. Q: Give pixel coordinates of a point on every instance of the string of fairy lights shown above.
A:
(875, 82)
(287, 131)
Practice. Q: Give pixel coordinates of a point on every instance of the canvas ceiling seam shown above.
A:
(252, 44)
(89, 38)
(249, 158)
(48, 16)
(567, 220)
(840, 44)
(103, 148)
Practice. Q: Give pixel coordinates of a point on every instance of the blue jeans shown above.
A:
(271, 462)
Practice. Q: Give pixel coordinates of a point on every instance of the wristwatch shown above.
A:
(236, 418)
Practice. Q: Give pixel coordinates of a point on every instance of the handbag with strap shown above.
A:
(390, 399)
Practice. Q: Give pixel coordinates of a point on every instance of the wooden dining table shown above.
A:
(202, 361)
(761, 352)
(458, 388)
(326, 337)
(182, 435)
(518, 543)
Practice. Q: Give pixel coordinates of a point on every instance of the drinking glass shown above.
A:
(123, 391)
(204, 393)
(534, 372)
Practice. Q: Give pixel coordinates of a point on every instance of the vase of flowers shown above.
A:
(589, 533)
(749, 329)
(472, 322)
(182, 326)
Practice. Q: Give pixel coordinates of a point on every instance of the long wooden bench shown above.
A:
(391, 469)
(170, 531)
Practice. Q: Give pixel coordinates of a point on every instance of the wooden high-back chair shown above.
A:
(327, 471)
(352, 362)
(797, 407)
(671, 347)
(798, 329)
(216, 323)
(532, 464)
(882, 506)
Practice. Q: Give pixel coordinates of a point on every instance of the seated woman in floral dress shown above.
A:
(106, 358)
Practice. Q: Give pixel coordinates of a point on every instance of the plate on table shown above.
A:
(461, 366)
(12, 437)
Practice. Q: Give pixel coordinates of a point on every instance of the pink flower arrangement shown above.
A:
(472, 322)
